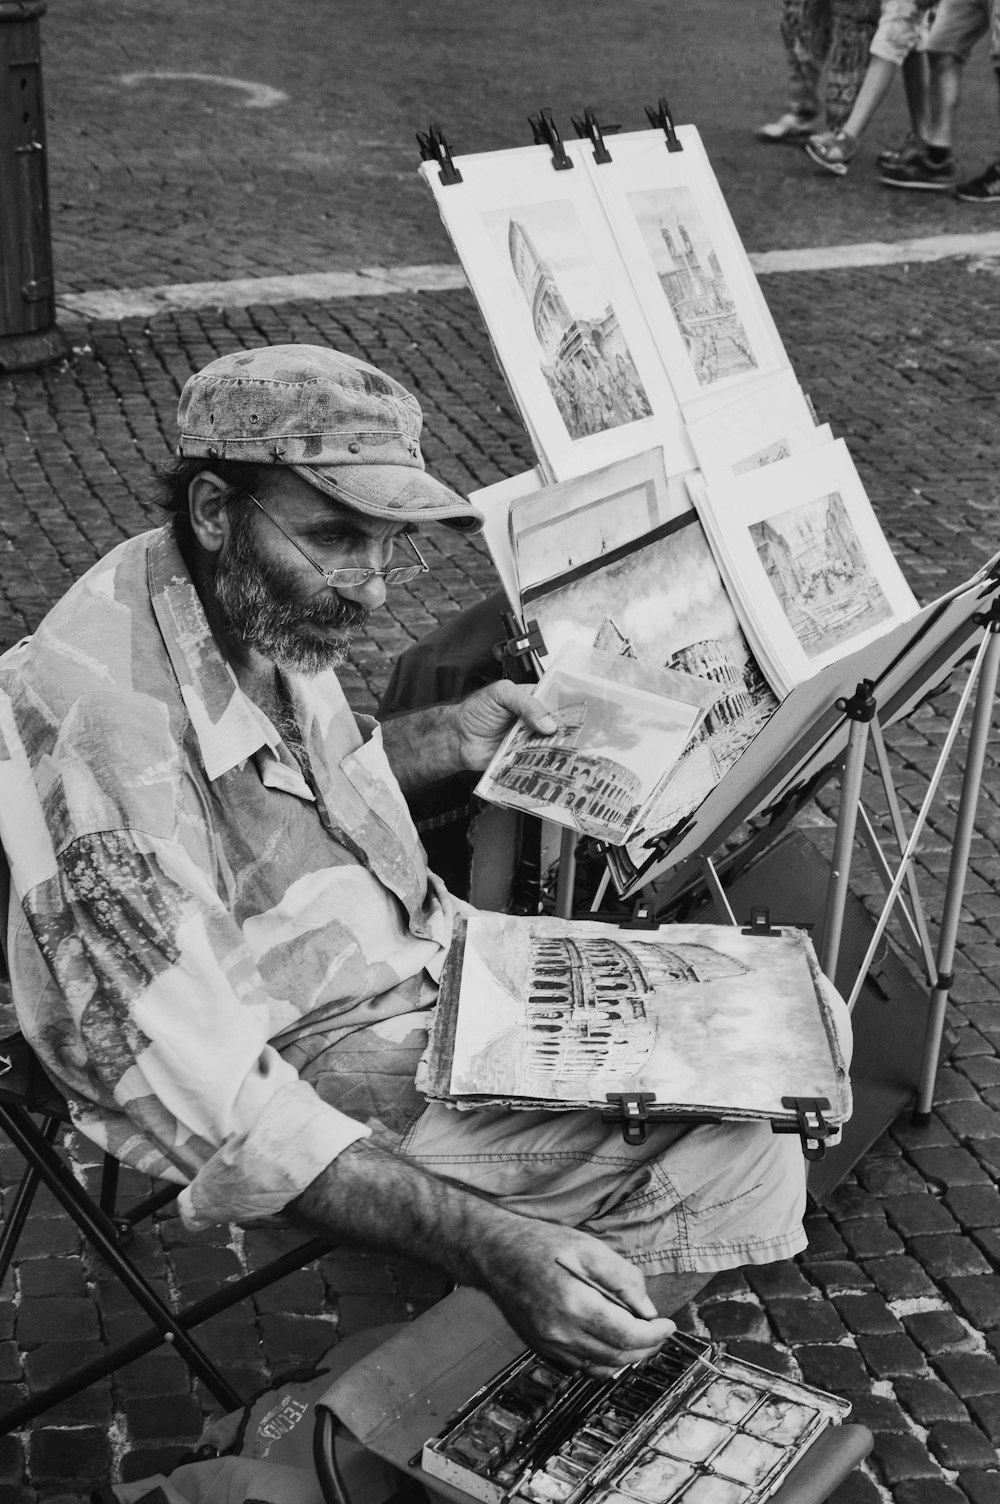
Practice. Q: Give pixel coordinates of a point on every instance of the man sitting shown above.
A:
(222, 934)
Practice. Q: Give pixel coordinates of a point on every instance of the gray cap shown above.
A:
(344, 426)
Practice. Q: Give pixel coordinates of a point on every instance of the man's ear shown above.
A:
(207, 510)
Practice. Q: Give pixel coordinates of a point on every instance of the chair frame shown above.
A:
(26, 1095)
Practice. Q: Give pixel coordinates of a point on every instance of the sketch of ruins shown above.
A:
(695, 286)
(586, 1011)
(551, 772)
(586, 362)
(817, 568)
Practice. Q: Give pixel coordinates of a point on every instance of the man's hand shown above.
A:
(483, 719)
(426, 745)
(562, 1316)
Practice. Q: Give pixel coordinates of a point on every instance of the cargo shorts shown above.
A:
(958, 26)
(690, 1198)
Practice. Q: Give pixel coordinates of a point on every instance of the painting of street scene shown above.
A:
(693, 282)
(564, 1011)
(816, 565)
(584, 358)
(619, 730)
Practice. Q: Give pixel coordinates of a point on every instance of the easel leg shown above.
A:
(971, 780)
(567, 874)
(847, 817)
(717, 891)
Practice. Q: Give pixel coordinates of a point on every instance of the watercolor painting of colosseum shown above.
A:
(562, 1011)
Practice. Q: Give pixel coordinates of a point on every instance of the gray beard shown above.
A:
(259, 602)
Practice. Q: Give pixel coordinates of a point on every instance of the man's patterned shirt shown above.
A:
(183, 904)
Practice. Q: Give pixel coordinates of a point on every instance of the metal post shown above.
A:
(859, 709)
(29, 336)
(979, 734)
(567, 874)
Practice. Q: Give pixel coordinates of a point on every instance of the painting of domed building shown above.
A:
(585, 360)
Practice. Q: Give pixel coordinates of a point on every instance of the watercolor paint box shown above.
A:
(688, 1426)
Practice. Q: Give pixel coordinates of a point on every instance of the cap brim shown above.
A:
(393, 493)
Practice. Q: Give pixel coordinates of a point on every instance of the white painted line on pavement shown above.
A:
(142, 302)
(261, 96)
(241, 292)
(877, 253)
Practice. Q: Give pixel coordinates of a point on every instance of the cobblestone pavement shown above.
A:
(185, 177)
(896, 1303)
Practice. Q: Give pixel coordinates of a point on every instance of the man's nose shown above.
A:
(371, 594)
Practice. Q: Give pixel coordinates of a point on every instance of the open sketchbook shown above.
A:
(546, 1012)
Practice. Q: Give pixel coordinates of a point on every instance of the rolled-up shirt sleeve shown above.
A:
(157, 1030)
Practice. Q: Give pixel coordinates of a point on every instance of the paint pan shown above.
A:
(689, 1426)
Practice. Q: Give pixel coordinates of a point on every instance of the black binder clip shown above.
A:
(661, 119)
(760, 922)
(642, 917)
(810, 1124)
(545, 132)
(630, 1108)
(662, 844)
(521, 641)
(588, 129)
(434, 148)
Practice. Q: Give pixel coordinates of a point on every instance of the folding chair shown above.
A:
(26, 1094)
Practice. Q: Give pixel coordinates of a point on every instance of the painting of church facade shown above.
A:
(583, 355)
(816, 565)
(694, 284)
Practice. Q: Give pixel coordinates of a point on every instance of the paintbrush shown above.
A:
(592, 1284)
(687, 1345)
(678, 1339)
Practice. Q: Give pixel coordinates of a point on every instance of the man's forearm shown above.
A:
(427, 745)
(423, 746)
(527, 1265)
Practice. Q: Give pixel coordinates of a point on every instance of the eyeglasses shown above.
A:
(398, 574)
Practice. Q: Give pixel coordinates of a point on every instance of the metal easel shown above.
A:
(866, 730)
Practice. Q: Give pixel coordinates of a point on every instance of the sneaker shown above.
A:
(788, 127)
(911, 146)
(982, 190)
(918, 171)
(833, 150)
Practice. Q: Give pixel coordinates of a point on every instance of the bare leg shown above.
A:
(943, 95)
(877, 82)
(669, 1292)
(916, 84)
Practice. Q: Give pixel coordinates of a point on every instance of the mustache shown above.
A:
(335, 612)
